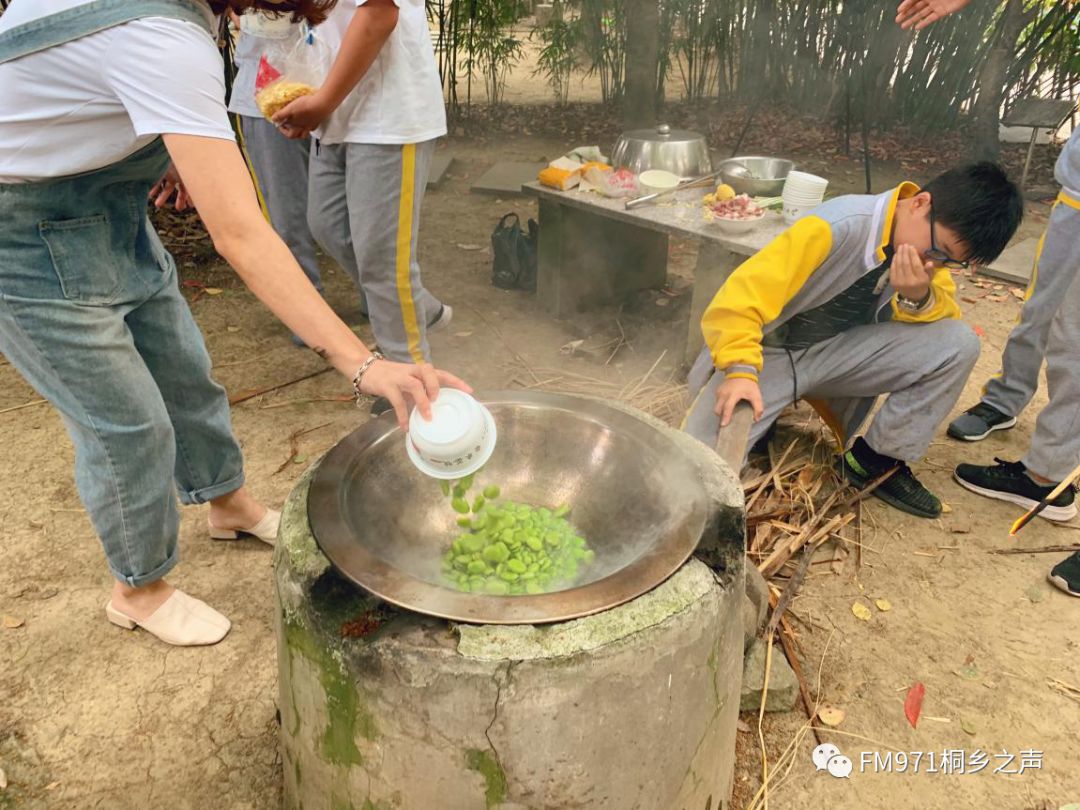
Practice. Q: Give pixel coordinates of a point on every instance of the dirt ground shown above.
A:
(94, 717)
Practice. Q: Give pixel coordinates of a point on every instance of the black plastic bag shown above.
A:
(515, 254)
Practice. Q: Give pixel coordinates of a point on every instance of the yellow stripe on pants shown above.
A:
(239, 129)
(404, 251)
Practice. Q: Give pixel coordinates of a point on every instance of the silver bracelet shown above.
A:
(360, 372)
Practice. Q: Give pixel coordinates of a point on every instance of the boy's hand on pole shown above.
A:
(734, 390)
(909, 274)
(918, 14)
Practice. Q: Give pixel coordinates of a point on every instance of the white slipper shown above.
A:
(266, 529)
(181, 620)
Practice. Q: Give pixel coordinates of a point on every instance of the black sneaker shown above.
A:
(1066, 575)
(979, 422)
(861, 466)
(1009, 481)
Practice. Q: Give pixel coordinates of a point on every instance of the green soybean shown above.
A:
(460, 505)
(512, 549)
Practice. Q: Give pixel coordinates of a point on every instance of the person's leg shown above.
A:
(83, 360)
(1055, 445)
(385, 187)
(281, 169)
(328, 210)
(209, 463)
(776, 382)
(1021, 361)
(921, 368)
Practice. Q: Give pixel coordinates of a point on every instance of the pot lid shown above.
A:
(663, 133)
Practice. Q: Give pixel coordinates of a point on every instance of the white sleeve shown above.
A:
(169, 76)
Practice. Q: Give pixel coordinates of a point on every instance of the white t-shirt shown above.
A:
(399, 99)
(92, 102)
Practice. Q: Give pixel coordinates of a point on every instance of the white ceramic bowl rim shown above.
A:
(446, 470)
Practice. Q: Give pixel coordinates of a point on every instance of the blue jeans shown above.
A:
(91, 315)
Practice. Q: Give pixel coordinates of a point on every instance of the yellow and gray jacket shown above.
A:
(1067, 171)
(820, 256)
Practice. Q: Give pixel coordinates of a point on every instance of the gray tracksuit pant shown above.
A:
(281, 169)
(364, 209)
(921, 368)
(1049, 329)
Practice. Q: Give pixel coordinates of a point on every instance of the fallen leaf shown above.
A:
(967, 726)
(969, 299)
(1017, 293)
(743, 726)
(861, 611)
(979, 331)
(945, 508)
(831, 715)
(1036, 593)
(213, 291)
(299, 459)
(997, 299)
(571, 347)
(913, 703)
(661, 302)
(470, 247)
(884, 605)
(960, 528)
(232, 328)
(999, 287)
(52, 786)
(463, 334)
(990, 684)
(10, 622)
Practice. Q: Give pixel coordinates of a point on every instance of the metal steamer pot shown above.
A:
(679, 151)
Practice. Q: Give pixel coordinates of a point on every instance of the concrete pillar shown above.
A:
(635, 707)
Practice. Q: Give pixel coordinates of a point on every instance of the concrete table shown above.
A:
(593, 251)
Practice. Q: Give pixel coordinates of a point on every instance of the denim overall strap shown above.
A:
(89, 18)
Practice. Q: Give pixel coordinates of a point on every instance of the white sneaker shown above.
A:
(442, 321)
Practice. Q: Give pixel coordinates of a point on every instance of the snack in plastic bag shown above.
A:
(290, 70)
(611, 182)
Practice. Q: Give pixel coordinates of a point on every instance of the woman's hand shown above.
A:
(407, 383)
(921, 13)
(164, 188)
(909, 275)
(734, 390)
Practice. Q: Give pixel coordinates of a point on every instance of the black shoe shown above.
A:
(380, 406)
(861, 466)
(1009, 481)
(1066, 575)
(979, 422)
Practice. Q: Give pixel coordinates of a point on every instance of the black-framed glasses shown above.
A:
(936, 254)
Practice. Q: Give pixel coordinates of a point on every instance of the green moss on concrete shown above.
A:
(344, 714)
(370, 805)
(494, 779)
(337, 803)
(682, 590)
(305, 560)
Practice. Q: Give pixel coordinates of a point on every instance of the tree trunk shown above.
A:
(642, 61)
(987, 107)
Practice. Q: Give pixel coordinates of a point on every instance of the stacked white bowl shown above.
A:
(802, 192)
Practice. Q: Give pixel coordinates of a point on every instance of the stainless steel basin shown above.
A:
(637, 500)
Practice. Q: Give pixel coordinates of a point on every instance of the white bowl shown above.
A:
(458, 440)
(657, 180)
(736, 226)
(805, 180)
